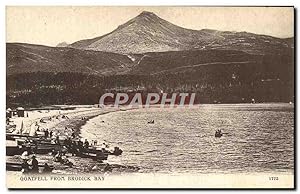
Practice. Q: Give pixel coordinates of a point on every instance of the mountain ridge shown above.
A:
(147, 32)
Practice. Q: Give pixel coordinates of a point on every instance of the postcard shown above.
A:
(161, 97)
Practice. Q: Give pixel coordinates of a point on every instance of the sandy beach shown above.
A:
(63, 127)
(54, 122)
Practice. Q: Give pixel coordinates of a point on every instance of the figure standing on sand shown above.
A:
(51, 134)
(86, 144)
(57, 140)
(46, 133)
(35, 164)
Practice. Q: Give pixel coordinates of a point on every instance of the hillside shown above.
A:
(39, 75)
(21, 58)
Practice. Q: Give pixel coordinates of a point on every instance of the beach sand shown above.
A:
(63, 128)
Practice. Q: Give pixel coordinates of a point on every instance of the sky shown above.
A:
(52, 25)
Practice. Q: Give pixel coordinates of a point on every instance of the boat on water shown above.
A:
(151, 122)
(99, 156)
(218, 133)
(98, 153)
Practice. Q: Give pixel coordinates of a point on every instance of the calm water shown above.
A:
(259, 138)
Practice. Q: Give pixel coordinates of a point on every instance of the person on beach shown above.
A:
(57, 140)
(66, 161)
(46, 133)
(51, 134)
(35, 164)
(80, 145)
(68, 142)
(24, 155)
(107, 168)
(86, 143)
(74, 148)
(104, 146)
(46, 168)
(57, 157)
(25, 166)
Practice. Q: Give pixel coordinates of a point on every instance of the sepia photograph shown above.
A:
(165, 97)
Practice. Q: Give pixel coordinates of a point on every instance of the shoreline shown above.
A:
(76, 122)
(81, 165)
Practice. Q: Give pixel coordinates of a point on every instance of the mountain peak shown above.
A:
(147, 16)
(147, 13)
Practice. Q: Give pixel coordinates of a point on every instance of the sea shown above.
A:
(258, 138)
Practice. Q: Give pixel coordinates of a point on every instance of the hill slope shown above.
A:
(22, 58)
(39, 75)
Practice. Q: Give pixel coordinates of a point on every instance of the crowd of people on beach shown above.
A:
(75, 147)
(71, 144)
(64, 142)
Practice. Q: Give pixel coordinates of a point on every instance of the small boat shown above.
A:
(97, 148)
(95, 156)
(99, 154)
(16, 146)
(44, 146)
(11, 136)
(17, 166)
(117, 151)
(151, 122)
(13, 150)
(218, 133)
